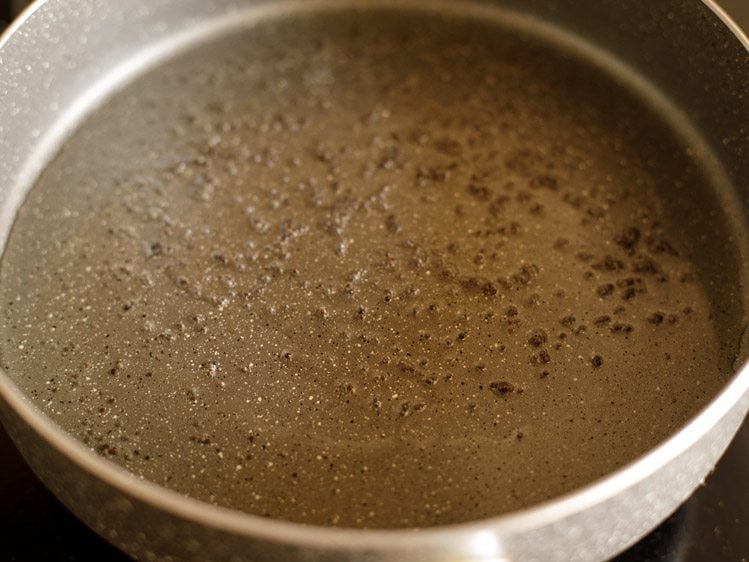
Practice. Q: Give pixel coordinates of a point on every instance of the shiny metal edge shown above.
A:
(241, 523)
(729, 22)
(20, 20)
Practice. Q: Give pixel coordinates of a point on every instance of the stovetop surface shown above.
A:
(711, 526)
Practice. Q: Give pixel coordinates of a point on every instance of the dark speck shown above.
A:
(501, 388)
(621, 328)
(609, 263)
(656, 318)
(602, 320)
(605, 290)
(628, 239)
(538, 338)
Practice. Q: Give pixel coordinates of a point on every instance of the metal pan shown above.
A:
(62, 59)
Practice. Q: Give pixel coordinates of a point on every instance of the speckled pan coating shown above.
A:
(515, 534)
(296, 273)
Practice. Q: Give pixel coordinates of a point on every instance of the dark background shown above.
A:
(712, 526)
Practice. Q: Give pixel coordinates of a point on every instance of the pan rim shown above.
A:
(305, 535)
(246, 524)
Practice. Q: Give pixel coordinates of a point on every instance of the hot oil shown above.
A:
(371, 269)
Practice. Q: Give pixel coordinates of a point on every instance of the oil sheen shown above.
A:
(373, 268)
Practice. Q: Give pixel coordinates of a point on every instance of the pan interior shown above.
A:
(374, 268)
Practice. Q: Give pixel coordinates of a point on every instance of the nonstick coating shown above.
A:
(650, 230)
(299, 274)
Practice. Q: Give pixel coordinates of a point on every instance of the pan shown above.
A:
(374, 280)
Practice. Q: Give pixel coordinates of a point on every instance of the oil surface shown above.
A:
(370, 269)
